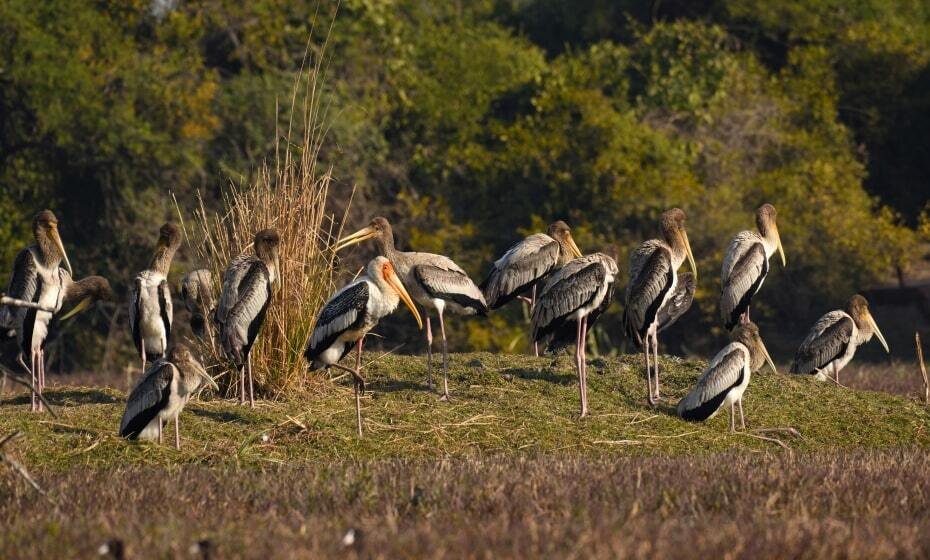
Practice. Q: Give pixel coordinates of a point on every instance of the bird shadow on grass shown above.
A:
(67, 398)
(544, 374)
(397, 385)
(224, 416)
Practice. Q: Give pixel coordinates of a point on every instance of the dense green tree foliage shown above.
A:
(472, 123)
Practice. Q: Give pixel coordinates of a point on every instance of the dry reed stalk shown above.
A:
(290, 195)
(923, 368)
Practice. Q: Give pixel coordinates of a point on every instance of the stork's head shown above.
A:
(169, 236)
(858, 309)
(673, 230)
(86, 292)
(765, 221)
(382, 272)
(378, 229)
(193, 374)
(748, 335)
(266, 248)
(560, 231)
(45, 231)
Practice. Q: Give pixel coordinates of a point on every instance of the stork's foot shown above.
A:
(444, 397)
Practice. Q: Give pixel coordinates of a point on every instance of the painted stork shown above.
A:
(725, 380)
(575, 295)
(434, 281)
(746, 265)
(527, 263)
(243, 303)
(350, 314)
(37, 278)
(161, 394)
(151, 310)
(84, 292)
(197, 294)
(832, 342)
(653, 285)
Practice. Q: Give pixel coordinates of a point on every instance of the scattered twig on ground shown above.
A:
(617, 442)
(789, 431)
(765, 438)
(17, 467)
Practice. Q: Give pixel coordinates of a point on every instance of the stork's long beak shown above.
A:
(781, 250)
(575, 250)
(878, 333)
(61, 247)
(684, 239)
(768, 359)
(398, 287)
(81, 306)
(357, 237)
(209, 380)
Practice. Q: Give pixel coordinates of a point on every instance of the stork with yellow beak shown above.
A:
(653, 282)
(350, 314)
(746, 265)
(832, 342)
(37, 278)
(434, 281)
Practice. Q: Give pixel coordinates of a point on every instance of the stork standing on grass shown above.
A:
(434, 281)
(576, 294)
(527, 263)
(243, 302)
(151, 310)
(350, 314)
(653, 286)
(746, 265)
(37, 278)
(197, 294)
(832, 342)
(725, 380)
(161, 394)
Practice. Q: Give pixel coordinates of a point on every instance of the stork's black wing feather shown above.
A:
(344, 311)
(148, 397)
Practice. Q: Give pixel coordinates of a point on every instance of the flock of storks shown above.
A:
(565, 290)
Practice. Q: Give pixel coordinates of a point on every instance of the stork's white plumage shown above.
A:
(434, 281)
(652, 289)
(161, 394)
(572, 299)
(244, 300)
(746, 264)
(37, 278)
(832, 341)
(726, 378)
(151, 310)
(348, 316)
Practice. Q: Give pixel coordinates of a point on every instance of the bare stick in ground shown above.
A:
(16, 467)
(28, 384)
(923, 368)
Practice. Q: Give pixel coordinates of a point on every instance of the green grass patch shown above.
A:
(501, 404)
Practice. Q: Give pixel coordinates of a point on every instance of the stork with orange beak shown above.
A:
(350, 314)
(37, 278)
(434, 281)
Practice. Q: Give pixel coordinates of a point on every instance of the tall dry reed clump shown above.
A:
(290, 196)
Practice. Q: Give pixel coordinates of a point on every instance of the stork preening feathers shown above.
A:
(434, 281)
(526, 264)
(725, 380)
(197, 295)
(151, 310)
(37, 278)
(746, 265)
(832, 341)
(654, 294)
(348, 316)
(243, 302)
(572, 299)
(161, 394)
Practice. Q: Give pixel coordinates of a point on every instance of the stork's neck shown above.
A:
(769, 234)
(161, 260)
(48, 250)
(679, 252)
(385, 245)
(865, 330)
(565, 253)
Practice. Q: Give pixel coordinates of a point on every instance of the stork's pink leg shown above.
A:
(41, 387)
(742, 419)
(584, 366)
(445, 359)
(251, 384)
(429, 353)
(532, 307)
(33, 369)
(177, 433)
(655, 361)
(649, 398)
(142, 354)
(159, 430)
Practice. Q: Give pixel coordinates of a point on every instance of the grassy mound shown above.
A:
(501, 404)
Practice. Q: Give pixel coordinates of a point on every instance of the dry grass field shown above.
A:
(505, 469)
